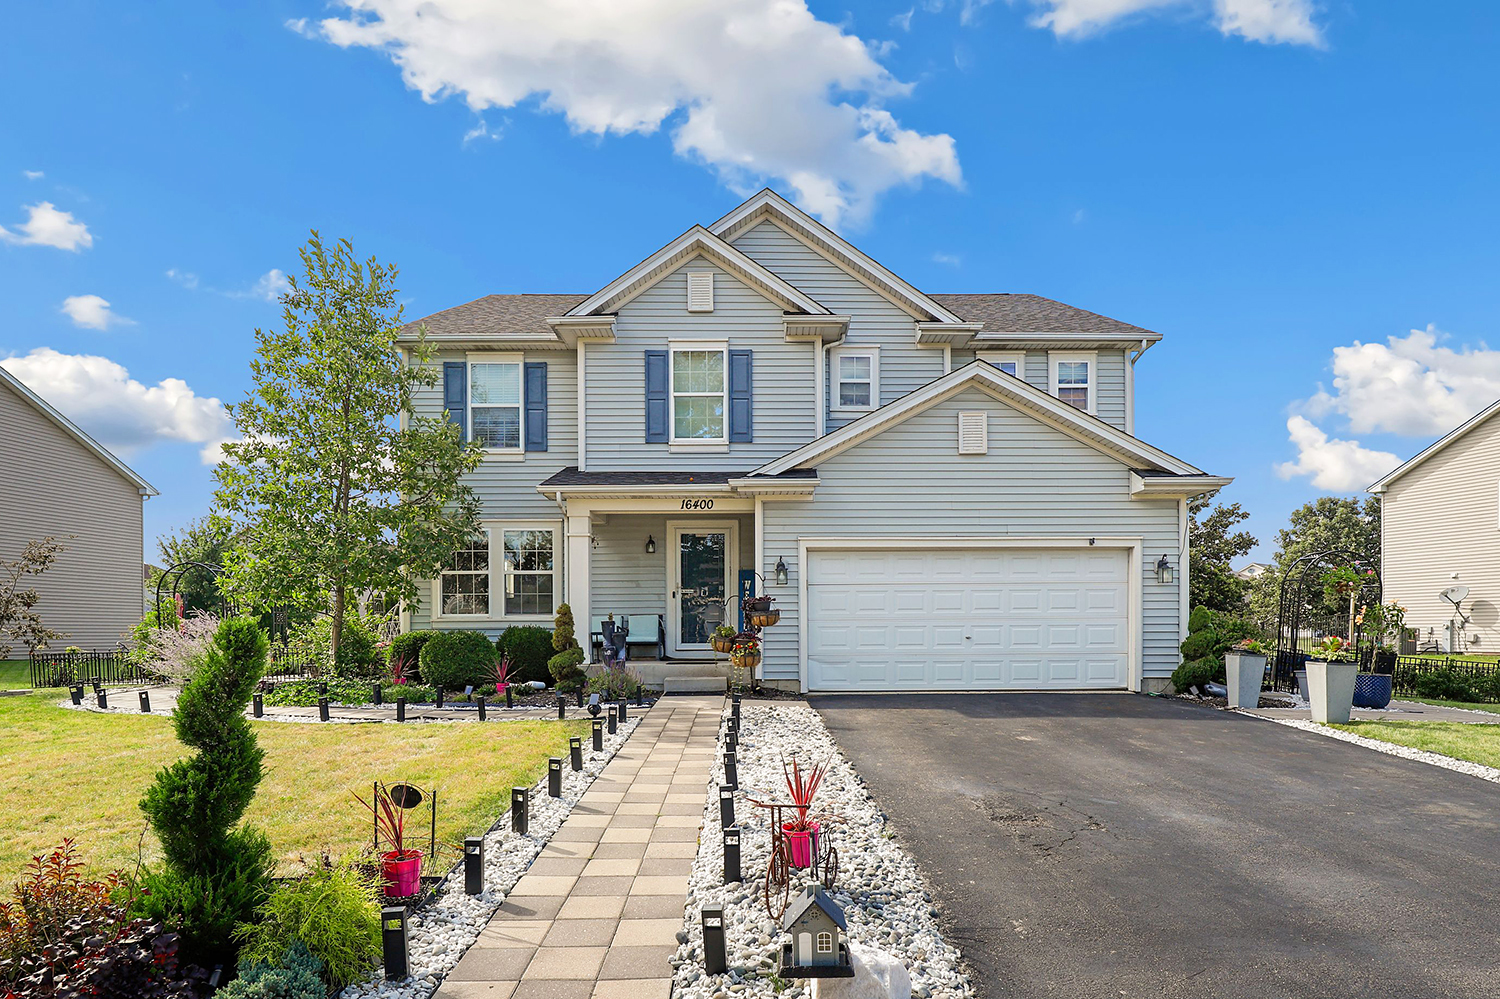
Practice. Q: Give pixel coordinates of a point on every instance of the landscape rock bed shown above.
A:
(439, 933)
(886, 901)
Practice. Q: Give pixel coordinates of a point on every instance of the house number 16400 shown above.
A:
(698, 504)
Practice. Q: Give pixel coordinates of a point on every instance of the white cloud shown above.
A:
(118, 411)
(1336, 466)
(1409, 385)
(92, 312)
(1079, 216)
(32, 174)
(903, 21)
(271, 286)
(187, 279)
(951, 259)
(755, 89)
(46, 226)
(1269, 21)
(481, 130)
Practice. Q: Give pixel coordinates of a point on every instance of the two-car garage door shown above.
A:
(967, 619)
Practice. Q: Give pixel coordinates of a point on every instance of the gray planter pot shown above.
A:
(1330, 690)
(1246, 671)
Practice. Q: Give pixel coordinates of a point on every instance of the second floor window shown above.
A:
(698, 395)
(466, 580)
(495, 405)
(856, 379)
(1073, 380)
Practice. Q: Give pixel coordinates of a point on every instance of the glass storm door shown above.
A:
(702, 576)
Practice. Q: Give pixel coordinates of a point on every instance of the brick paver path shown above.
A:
(598, 913)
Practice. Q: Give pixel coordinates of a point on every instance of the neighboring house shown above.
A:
(1252, 572)
(1439, 520)
(58, 481)
(949, 483)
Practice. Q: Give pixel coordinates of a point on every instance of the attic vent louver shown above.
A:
(973, 433)
(700, 291)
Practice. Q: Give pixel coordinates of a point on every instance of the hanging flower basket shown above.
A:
(722, 645)
(762, 619)
(745, 652)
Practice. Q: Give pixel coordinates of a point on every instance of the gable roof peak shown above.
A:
(73, 430)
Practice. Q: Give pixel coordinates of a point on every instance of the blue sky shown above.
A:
(1286, 189)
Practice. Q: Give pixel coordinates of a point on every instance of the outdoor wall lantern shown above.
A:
(650, 545)
(1163, 570)
(781, 571)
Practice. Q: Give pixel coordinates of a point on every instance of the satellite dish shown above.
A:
(1455, 594)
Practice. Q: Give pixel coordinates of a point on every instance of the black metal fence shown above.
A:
(1480, 675)
(63, 669)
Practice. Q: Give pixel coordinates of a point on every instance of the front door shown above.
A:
(701, 571)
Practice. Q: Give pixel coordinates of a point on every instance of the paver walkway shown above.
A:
(1398, 710)
(598, 913)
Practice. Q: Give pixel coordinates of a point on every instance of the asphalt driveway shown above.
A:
(1086, 845)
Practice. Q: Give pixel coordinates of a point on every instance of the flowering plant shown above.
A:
(1252, 645)
(1334, 650)
(745, 643)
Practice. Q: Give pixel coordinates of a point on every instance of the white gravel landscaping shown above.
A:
(1390, 748)
(438, 935)
(886, 901)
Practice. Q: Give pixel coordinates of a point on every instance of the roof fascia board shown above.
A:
(45, 408)
(1176, 486)
(1435, 447)
(1009, 389)
(696, 240)
(830, 244)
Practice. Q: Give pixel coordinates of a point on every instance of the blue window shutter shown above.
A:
(536, 405)
(456, 393)
(656, 397)
(741, 417)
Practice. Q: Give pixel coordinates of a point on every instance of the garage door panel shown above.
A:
(967, 618)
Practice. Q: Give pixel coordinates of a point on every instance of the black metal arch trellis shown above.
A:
(1292, 605)
(175, 574)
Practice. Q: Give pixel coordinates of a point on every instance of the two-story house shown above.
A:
(939, 491)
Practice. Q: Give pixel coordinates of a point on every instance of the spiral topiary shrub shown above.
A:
(214, 874)
(454, 660)
(529, 646)
(565, 667)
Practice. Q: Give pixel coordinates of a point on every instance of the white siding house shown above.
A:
(760, 394)
(56, 481)
(1440, 528)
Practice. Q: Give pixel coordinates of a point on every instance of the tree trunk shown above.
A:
(338, 621)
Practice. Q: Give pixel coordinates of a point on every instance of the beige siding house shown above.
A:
(1440, 528)
(56, 480)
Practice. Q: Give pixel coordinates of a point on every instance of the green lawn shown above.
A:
(15, 674)
(81, 774)
(1468, 705)
(1475, 743)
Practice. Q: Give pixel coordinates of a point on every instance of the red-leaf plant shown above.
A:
(390, 823)
(802, 786)
(398, 672)
(501, 674)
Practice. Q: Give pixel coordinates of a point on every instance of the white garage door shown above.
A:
(976, 619)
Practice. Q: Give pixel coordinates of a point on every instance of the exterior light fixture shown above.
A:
(650, 545)
(781, 571)
(1163, 570)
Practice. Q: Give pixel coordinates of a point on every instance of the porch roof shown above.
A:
(571, 476)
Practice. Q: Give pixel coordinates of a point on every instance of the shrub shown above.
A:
(562, 629)
(140, 960)
(564, 667)
(1445, 685)
(406, 649)
(454, 660)
(1199, 619)
(180, 652)
(614, 683)
(359, 657)
(53, 894)
(1215, 633)
(1196, 674)
(214, 874)
(529, 647)
(334, 912)
(295, 974)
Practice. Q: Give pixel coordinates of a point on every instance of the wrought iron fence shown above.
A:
(63, 669)
(1480, 675)
(283, 664)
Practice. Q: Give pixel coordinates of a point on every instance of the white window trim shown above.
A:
(999, 357)
(694, 444)
(1054, 358)
(492, 357)
(824, 937)
(495, 532)
(872, 351)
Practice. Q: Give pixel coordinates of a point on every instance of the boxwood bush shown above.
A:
(529, 647)
(407, 648)
(454, 660)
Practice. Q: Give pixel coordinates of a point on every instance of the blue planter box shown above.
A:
(1372, 690)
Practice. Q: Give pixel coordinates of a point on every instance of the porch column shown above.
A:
(576, 528)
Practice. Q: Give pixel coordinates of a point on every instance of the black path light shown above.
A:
(614, 720)
(322, 687)
(731, 771)
(554, 777)
(732, 855)
(562, 708)
(481, 707)
(715, 959)
(322, 709)
(731, 739)
(77, 693)
(401, 709)
(734, 708)
(145, 703)
(622, 709)
(98, 682)
(594, 706)
(508, 702)
(598, 727)
(639, 695)
(520, 799)
(257, 705)
(726, 806)
(575, 749)
(102, 697)
(580, 697)
(439, 696)
(474, 865)
(393, 942)
(376, 697)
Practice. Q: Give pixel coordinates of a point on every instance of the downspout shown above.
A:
(1135, 355)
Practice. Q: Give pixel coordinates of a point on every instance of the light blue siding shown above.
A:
(625, 579)
(1034, 482)
(1109, 401)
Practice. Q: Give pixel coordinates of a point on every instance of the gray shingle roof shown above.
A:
(1006, 313)
(521, 316)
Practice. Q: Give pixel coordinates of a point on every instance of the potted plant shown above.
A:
(801, 832)
(1331, 674)
(759, 613)
(722, 639)
(400, 868)
(500, 673)
(745, 652)
(1245, 671)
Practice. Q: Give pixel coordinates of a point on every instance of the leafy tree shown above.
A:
(20, 621)
(1329, 522)
(203, 540)
(332, 497)
(1212, 545)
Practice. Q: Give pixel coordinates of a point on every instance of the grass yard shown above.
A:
(1475, 743)
(1466, 705)
(15, 674)
(78, 774)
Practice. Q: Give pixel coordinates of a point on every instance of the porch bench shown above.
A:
(635, 634)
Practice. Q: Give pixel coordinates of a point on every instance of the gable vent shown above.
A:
(700, 291)
(973, 433)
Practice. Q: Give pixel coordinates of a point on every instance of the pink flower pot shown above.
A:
(801, 843)
(402, 871)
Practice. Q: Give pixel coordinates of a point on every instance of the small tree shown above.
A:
(203, 540)
(329, 493)
(214, 874)
(562, 629)
(20, 621)
(1213, 544)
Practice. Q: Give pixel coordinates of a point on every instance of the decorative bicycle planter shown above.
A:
(798, 856)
